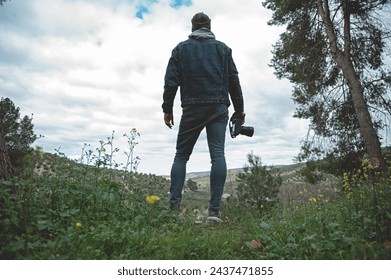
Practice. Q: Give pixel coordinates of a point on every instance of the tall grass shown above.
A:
(79, 211)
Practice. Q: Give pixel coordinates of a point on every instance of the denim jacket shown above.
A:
(204, 70)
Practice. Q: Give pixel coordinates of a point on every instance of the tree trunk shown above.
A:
(5, 162)
(368, 132)
(344, 62)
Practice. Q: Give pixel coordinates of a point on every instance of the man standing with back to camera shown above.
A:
(204, 70)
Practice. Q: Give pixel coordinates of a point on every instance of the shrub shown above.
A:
(191, 185)
(258, 188)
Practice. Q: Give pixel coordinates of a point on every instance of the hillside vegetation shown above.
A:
(68, 210)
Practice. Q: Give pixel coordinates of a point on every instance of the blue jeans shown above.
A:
(194, 119)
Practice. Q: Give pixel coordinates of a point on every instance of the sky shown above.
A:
(86, 68)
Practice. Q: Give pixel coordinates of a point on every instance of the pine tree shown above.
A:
(333, 53)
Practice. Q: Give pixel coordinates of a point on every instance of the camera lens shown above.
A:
(247, 131)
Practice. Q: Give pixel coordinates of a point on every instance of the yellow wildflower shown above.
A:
(152, 199)
(78, 225)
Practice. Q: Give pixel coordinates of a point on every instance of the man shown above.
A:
(204, 70)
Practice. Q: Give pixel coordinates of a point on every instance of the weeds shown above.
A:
(352, 224)
(89, 209)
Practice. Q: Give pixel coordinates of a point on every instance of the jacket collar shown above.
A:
(202, 33)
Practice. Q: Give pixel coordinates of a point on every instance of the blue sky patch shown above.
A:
(180, 3)
(141, 10)
(143, 6)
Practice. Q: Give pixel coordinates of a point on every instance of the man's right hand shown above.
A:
(169, 120)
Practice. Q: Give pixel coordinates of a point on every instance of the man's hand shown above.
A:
(238, 115)
(169, 120)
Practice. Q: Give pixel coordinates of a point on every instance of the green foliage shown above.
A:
(322, 92)
(78, 211)
(311, 172)
(191, 185)
(366, 194)
(315, 237)
(70, 216)
(315, 170)
(18, 133)
(51, 217)
(354, 225)
(258, 189)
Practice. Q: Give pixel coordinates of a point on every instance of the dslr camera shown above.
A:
(236, 128)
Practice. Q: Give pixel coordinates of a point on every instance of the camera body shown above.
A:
(236, 128)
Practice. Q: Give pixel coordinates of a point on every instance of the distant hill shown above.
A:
(284, 169)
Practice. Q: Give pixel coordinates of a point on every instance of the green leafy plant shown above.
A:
(258, 188)
(366, 194)
(75, 210)
(191, 185)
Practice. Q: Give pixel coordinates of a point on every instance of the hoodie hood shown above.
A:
(202, 33)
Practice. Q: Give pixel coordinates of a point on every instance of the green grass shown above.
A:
(86, 212)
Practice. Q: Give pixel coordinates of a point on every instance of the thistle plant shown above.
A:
(132, 161)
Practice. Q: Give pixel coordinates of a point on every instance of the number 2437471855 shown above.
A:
(241, 270)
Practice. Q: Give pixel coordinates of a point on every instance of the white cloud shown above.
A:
(86, 68)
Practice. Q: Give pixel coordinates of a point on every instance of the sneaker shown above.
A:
(214, 216)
